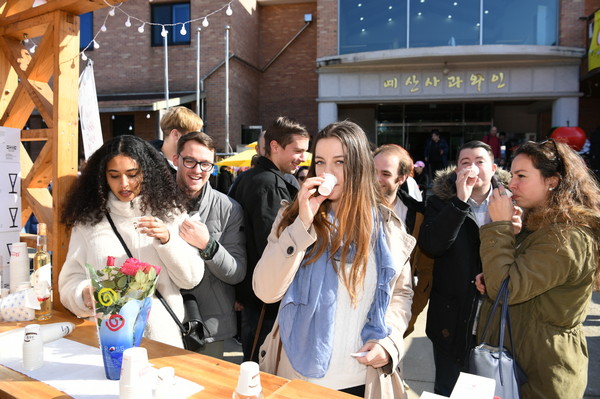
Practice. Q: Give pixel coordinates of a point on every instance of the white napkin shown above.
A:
(74, 368)
(19, 306)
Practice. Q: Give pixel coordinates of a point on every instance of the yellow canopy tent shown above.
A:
(245, 157)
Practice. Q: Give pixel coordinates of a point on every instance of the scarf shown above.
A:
(307, 310)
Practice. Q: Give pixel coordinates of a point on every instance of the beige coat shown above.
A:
(276, 270)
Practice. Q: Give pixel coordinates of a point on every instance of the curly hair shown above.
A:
(86, 201)
(355, 217)
(576, 198)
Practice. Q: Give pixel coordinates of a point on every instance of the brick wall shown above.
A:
(289, 86)
(572, 30)
(327, 26)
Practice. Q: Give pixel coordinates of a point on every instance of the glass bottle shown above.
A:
(42, 275)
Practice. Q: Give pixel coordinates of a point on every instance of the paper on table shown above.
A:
(74, 368)
(471, 386)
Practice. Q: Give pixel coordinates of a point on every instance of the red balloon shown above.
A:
(573, 136)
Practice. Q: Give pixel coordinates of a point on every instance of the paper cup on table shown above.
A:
(326, 188)
(19, 265)
(54, 331)
(135, 372)
(249, 380)
(33, 348)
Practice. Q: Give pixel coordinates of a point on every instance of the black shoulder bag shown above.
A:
(497, 362)
(193, 330)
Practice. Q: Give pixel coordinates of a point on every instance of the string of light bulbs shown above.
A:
(142, 24)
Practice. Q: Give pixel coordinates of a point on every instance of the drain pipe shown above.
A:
(307, 21)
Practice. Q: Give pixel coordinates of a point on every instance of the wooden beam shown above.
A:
(64, 147)
(76, 7)
(16, 6)
(8, 81)
(18, 110)
(40, 174)
(36, 134)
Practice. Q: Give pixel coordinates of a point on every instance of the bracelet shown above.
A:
(210, 250)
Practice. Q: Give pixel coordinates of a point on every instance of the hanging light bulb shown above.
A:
(164, 32)
(183, 32)
(205, 22)
(111, 12)
(128, 22)
(32, 49)
(25, 38)
(141, 28)
(103, 28)
(83, 57)
(229, 11)
(96, 45)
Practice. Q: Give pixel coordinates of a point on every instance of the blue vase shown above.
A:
(122, 331)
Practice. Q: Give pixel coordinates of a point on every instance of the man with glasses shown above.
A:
(215, 227)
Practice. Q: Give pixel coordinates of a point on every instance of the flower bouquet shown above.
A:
(122, 303)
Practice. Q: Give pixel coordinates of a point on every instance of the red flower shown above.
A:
(132, 265)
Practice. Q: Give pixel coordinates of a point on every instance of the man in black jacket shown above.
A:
(450, 235)
(260, 191)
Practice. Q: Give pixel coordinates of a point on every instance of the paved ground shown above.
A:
(418, 361)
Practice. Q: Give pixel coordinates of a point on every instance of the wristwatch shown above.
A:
(210, 250)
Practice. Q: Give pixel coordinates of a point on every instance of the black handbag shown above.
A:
(193, 330)
(497, 362)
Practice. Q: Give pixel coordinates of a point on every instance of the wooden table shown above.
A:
(218, 377)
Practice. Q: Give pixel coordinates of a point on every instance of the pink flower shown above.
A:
(132, 265)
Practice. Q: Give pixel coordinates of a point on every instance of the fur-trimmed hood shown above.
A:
(444, 183)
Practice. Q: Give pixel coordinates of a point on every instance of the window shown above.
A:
(86, 30)
(172, 13)
(375, 25)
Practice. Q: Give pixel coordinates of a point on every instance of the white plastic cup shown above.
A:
(326, 188)
(473, 171)
(19, 265)
(135, 360)
(54, 331)
(249, 380)
(33, 348)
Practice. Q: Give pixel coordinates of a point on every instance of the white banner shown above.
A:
(10, 193)
(89, 115)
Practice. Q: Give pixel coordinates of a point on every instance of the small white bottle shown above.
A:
(248, 386)
(33, 348)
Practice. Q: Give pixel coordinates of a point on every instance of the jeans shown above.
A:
(250, 318)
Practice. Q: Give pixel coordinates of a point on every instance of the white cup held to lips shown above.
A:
(326, 187)
(473, 171)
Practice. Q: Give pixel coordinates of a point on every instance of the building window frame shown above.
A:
(171, 16)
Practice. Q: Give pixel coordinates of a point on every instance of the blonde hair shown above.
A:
(356, 211)
(182, 119)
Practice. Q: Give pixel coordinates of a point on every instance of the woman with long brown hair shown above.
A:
(339, 265)
(552, 264)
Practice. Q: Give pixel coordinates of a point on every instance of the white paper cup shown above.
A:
(249, 379)
(473, 171)
(135, 361)
(19, 265)
(33, 348)
(326, 188)
(54, 331)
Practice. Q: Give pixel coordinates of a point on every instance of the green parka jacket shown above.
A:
(551, 279)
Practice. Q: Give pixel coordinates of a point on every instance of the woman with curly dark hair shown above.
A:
(552, 264)
(127, 180)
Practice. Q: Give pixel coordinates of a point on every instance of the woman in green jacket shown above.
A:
(552, 263)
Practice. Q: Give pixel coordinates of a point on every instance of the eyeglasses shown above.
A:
(191, 163)
(558, 158)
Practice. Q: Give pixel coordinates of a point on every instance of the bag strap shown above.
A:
(503, 288)
(261, 319)
(156, 292)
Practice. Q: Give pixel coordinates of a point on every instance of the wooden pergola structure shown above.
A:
(46, 81)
